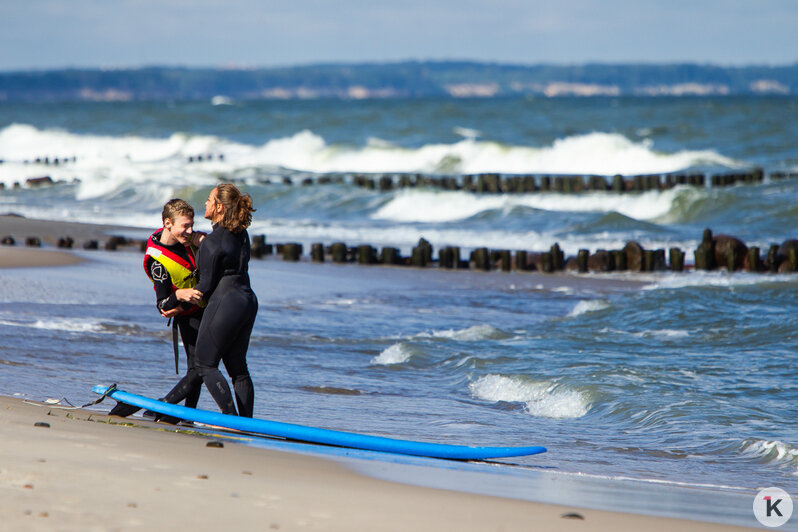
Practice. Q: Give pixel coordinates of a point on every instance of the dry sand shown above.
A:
(86, 471)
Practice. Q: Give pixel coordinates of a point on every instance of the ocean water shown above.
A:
(678, 378)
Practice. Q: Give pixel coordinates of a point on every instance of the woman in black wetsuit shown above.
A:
(231, 304)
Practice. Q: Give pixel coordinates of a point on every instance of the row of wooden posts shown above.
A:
(56, 161)
(202, 158)
(494, 183)
(33, 182)
(67, 242)
(714, 252)
(47, 160)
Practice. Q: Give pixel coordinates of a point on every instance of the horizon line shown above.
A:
(243, 67)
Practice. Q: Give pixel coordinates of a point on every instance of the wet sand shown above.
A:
(15, 257)
(48, 233)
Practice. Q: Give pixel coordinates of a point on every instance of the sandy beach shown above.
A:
(74, 469)
(48, 233)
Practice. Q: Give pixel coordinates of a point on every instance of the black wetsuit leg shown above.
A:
(190, 386)
(224, 335)
(123, 410)
(235, 362)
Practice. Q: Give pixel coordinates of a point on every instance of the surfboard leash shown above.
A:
(105, 394)
(53, 403)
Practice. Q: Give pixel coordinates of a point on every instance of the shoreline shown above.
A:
(85, 470)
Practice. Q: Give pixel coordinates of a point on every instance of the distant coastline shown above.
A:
(413, 79)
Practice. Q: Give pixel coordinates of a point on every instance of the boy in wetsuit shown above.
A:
(171, 265)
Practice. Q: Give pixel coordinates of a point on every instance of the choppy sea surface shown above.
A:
(678, 378)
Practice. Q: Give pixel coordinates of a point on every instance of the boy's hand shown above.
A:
(170, 313)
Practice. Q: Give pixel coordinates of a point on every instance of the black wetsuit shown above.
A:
(190, 385)
(228, 319)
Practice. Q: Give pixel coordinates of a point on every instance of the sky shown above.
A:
(42, 34)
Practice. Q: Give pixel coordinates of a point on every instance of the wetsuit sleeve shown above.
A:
(211, 266)
(165, 298)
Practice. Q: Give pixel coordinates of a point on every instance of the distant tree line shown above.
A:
(395, 80)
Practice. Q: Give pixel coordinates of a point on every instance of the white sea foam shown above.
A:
(598, 153)
(467, 132)
(105, 164)
(60, 324)
(593, 153)
(395, 354)
(341, 302)
(588, 305)
(653, 333)
(542, 398)
(221, 100)
(563, 290)
(126, 179)
(411, 205)
(773, 451)
(135, 159)
(406, 236)
(146, 213)
(716, 278)
(663, 333)
(610, 153)
(471, 334)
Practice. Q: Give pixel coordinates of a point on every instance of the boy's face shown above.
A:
(181, 228)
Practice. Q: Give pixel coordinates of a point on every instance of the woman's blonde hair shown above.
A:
(237, 207)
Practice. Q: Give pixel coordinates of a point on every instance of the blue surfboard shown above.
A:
(317, 435)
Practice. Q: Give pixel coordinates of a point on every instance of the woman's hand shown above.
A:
(197, 237)
(188, 295)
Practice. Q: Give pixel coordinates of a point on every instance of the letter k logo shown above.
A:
(772, 506)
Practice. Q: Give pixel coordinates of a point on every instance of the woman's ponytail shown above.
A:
(237, 207)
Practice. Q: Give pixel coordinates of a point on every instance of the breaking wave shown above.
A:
(395, 354)
(773, 451)
(589, 305)
(108, 161)
(541, 398)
